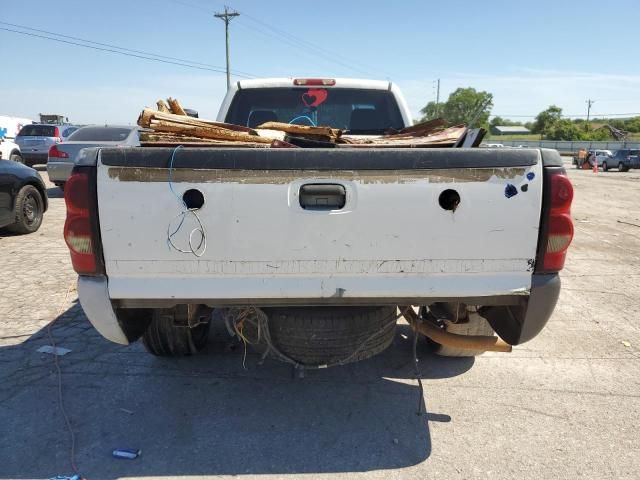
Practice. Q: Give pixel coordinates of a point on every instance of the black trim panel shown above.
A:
(318, 158)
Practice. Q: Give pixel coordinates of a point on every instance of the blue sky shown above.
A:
(528, 54)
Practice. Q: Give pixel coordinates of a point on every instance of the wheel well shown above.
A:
(15, 151)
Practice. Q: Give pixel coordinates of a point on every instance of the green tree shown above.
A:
(465, 105)
(499, 121)
(564, 129)
(545, 119)
(632, 125)
(429, 112)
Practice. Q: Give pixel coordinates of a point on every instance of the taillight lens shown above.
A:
(55, 152)
(78, 232)
(557, 227)
(561, 193)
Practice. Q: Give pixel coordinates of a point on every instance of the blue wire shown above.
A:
(303, 116)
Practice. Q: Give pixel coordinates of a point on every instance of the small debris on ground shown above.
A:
(625, 343)
(59, 351)
(127, 453)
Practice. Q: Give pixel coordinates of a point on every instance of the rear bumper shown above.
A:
(517, 318)
(94, 299)
(31, 158)
(59, 171)
(286, 289)
(520, 323)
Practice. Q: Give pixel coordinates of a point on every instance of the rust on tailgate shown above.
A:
(264, 177)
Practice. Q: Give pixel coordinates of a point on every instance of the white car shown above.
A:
(10, 151)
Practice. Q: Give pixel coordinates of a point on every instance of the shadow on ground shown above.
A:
(206, 415)
(55, 192)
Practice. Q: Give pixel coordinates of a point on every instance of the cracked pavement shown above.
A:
(565, 405)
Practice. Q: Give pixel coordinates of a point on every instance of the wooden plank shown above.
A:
(302, 129)
(144, 120)
(162, 106)
(167, 143)
(424, 128)
(215, 133)
(175, 107)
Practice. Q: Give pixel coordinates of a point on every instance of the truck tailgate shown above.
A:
(392, 240)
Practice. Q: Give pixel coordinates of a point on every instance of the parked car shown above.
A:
(623, 160)
(35, 140)
(601, 157)
(10, 150)
(63, 156)
(23, 197)
(317, 247)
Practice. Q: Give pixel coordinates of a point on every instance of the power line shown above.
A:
(325, 52)
(294, 41)
(117, 47)
(105, 47)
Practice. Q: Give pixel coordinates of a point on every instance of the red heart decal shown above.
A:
(314, 97)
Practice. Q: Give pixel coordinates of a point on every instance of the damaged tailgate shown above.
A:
(318, 226)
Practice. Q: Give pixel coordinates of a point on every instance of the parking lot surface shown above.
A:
(565, 405)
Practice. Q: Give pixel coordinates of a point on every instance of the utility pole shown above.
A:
(226, 17)
(589, 103)
(438, 99)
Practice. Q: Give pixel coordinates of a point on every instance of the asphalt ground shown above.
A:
(565, 405)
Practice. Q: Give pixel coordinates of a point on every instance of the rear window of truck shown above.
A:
(38, 131)
(359, 111)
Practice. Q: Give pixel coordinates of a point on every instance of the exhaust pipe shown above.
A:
(466, 342)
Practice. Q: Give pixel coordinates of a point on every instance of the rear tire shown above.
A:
(331, 335)
(621, 167)
(16, 157)
(166, 339)
(605, 168)
(29, 210)
(476, 325)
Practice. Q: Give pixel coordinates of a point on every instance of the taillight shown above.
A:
(56, 134)
(557, 226)
(78, 228)
(315, 81)
(55, 152)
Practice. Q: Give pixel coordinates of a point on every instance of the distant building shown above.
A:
(502, 130)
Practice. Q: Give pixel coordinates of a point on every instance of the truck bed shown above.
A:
(391, 243)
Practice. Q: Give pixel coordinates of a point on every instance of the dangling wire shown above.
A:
(198, 250)
(313, 124)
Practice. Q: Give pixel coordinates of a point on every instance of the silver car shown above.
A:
(63, 156)
(35, 140)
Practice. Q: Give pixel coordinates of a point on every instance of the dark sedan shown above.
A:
(23, 197)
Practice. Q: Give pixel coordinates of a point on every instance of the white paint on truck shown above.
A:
(391, 240)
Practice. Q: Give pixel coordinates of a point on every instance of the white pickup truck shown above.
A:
(311, 250)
